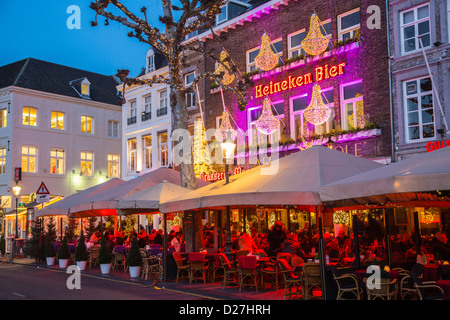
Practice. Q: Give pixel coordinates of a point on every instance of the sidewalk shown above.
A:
(209, 290)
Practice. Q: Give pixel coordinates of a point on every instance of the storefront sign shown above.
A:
(320, 73)
(218, 175)
(431, 146)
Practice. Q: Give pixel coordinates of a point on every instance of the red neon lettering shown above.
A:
(284, 85)
(276, 87)
(319, 73)
(291, 82)
(326, 72)
(299, 81)
(266, 90)
(333, 71)
(308, 79)
(258, 91)
(341, 68)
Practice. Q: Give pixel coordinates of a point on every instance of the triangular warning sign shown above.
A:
(42, 189)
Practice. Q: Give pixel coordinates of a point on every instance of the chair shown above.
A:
(271, 271)
(427, 290)
(94, 253)
(228, 269)
(197, 265)
(119, 259)
(182, 266)
(386, 289)
(286, 256)
(346, 283)
(151, 266)
(247, 270)
(293, 281)
(312, 278)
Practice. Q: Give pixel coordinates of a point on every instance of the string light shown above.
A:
(267, 123)
(225, 130)
(341, 217)
(317, 112)
(202, 158)
(315, 42)
(227, 77)
(266, 59)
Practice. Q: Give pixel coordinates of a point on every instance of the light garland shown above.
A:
(225, 130)
(202, 159)
(317, 112)
(266, 59)
(315, 42)
(267, 123)
(227, 77)
(341, 217)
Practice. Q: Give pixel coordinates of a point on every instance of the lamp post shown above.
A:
(16, 191)
(330, 143)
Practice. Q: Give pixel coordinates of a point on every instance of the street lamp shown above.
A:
(16, 191)
(330, 143)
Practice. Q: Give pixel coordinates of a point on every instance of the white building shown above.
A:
(60, 125)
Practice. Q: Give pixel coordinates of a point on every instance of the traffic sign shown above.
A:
(41, 198)
(42, 189)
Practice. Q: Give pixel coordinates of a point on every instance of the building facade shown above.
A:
(61, 126)
(420, 86)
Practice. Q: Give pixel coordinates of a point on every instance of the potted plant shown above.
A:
(2, 245)
(49, 251)
(63, 254)
(81, 254)
(134, 259)
(105, 257)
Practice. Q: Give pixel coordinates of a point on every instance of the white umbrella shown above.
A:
(62, 207)
(296, 182)
(419, 178)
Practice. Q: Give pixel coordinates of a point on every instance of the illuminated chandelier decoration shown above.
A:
(341, 217)
(267, 123)
(225, 130)
(315, 42)
(227, 77)
(317, 112)
(266, 59)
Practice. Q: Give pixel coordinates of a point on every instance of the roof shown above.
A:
(54, 78)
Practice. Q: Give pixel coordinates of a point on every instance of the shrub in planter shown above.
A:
(2, 245)
(49, 251)
(105, 256)
(81, 254)
(63, 254)
(134, 258)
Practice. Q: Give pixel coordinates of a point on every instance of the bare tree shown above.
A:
(194, 15)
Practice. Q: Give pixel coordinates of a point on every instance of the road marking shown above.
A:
(18, 294)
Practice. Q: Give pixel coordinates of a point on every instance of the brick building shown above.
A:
(352, 73)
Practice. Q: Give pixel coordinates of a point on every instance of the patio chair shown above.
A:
(248, 270)
(182, 266)
(270, 270)
(293, 281)
(151, 266)
(197, 265)
(312, 278)
(387, 289)
(346, 283)
(119, 259)
(427, 290)
(94, 253)
(229, 270)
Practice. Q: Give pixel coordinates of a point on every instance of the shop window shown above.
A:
(276, 46)
(29, 158)
(415, 23)
(349, 24)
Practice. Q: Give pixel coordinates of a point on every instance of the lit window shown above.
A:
(162, 109)
(276, 46)
(190, 97)
(29, 157)
(163, 147)
(132, 153)
(3, 118)
(348, 24)
(85, 89)
(147, 151)
(418, 109)
(57, 161)
(29, 116)
(2, 160)
(113, 129)
(415, 23)
(86, 163)
(255, 137)
(352, 105)
(113, 165)
(87, 124)
(57, 120)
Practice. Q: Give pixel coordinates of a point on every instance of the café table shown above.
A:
(431, 272)
(445, 285)
(121, 249)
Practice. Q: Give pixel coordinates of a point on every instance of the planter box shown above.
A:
(50, 261)
(106, 268)
(63, 263)
(81, 265)
(134, 271)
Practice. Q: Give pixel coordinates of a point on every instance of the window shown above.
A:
(352, 105)
(277, 47)
(255, 136)
(57, 161)
(132, 112)
(418, 108)
(57, 120)
(2, 160)
(223, 16)
(295, 39)
(29, 116)
(146, 113)
(3, 118)
(86, 163)
(415, 22)
(113, 129)
(132, 153)
(348, 24)
(301, 126)
(150, 63)
(29, 157)
(163, 149)
(190, 97)
(87, 124)
(85, 89)
(147, 151)
(113, 165)
(162, 110)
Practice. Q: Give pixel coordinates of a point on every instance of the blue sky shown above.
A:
(38, 29)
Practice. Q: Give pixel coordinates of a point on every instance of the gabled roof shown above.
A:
(54, 78)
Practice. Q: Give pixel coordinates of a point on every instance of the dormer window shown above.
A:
(223, 16)
(150, 65)
(82, 86)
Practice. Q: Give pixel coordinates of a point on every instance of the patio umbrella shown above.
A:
(62, 207)
(423, 178)
(291, 180)
(106, 203)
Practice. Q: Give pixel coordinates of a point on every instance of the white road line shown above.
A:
(18, 294)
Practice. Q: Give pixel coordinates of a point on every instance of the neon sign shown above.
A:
(320, 73)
